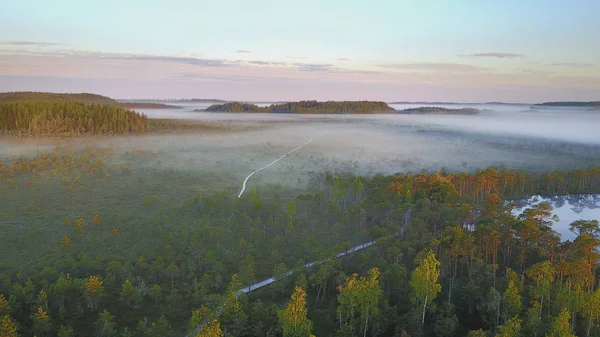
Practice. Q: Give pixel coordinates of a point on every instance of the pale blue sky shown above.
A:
(181, 44)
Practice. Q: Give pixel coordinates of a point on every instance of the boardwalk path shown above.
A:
(273, 162)
(271, 280)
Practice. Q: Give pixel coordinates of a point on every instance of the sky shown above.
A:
(269, 50)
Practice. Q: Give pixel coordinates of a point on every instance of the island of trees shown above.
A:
(440, 111)
(308, 107)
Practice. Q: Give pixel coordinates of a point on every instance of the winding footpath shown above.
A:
(273, 162)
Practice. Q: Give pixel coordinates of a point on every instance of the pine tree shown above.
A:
(130, 295)
(105, 325)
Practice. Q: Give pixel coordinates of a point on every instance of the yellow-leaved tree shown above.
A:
(94, 289)
(4, 307)
(8, 328)
(293, 318)
(359, 300)
(424, 282)
(212, 329)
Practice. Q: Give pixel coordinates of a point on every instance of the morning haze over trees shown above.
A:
(118, 245)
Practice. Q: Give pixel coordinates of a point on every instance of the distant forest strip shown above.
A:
(595, 104)
(440, 110)
(11, 97)
(68, 118)
(307, 107)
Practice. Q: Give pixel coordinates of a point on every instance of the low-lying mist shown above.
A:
(513, 137)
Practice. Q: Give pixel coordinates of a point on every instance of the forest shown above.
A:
(450, 260)
(308, 107)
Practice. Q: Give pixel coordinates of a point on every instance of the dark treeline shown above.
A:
(440, 110)
(593, 104)
(64, 118)
(308, 107)
(464, 265)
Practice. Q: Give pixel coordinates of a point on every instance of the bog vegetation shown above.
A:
(85, 254)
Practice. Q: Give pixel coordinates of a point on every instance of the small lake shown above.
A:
(569, 208)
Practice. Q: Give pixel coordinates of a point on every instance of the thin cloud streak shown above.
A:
(268, 63)
(32, 43)
(439, 67)
(574, 65)
(82, 54)
(496, 55)
(244, 51)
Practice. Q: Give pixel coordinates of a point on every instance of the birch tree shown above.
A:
(424, 282)
(293, 318)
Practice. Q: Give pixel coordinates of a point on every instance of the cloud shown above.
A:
(185, 60)
(296, 57)
(244, 51)
(313, 67)
(32, 43)
(496, 55)
(574, 65)
(342, 59)
(196, 61)
(438, 67)
(538, 72)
